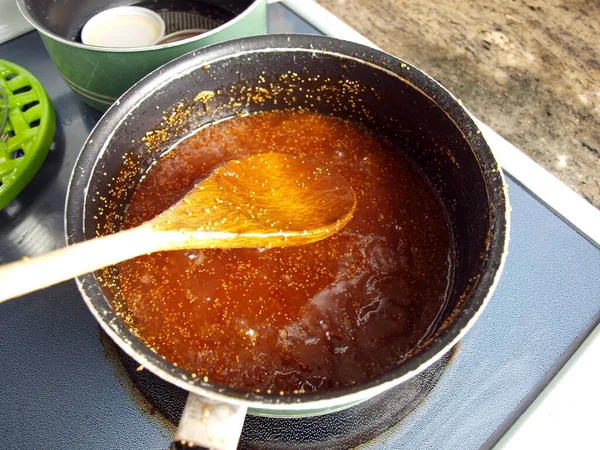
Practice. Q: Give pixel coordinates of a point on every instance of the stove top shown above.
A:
(63, 388)
(338, 430)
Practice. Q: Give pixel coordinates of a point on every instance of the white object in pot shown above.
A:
(124, 27)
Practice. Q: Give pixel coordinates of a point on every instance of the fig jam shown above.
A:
(296, 319)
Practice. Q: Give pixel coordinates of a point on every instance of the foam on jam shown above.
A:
(297, 319)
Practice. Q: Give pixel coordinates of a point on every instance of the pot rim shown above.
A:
(480, 293)
(24, 11)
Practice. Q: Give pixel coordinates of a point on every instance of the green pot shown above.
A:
(100, 75)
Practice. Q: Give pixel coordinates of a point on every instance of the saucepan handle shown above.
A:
(209, 424)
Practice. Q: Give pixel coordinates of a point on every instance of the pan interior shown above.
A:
(66, 18)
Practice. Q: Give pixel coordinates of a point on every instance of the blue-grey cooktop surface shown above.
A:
(61, 388)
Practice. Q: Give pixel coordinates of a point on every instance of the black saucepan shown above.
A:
(392, 97)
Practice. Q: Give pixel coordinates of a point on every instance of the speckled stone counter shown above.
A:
(529, 69)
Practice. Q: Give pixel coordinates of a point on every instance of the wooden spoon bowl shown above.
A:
(265, 200)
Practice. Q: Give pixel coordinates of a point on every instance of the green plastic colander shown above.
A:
(27, 131)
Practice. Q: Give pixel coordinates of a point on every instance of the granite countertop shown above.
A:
(530, 69)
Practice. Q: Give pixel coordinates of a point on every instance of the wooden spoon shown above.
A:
(265, 200)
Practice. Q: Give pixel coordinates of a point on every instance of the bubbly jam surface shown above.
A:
(296, 319)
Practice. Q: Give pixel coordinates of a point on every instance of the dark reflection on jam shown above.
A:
(324, 315)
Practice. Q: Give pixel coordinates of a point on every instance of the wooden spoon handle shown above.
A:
(31, 274)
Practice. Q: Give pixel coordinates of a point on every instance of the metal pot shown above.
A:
(99, 75)
(391, 96)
